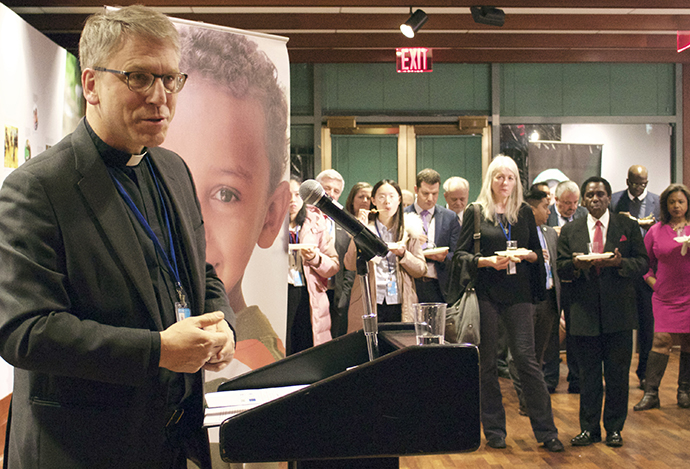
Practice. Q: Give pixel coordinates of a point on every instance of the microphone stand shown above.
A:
(369, 318)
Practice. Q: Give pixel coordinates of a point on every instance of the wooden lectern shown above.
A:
(412, 400)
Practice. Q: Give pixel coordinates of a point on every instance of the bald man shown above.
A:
(642, 206)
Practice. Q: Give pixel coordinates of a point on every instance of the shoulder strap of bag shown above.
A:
(477, 234)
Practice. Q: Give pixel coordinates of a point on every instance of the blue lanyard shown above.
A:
(171, 266)
(507, 234)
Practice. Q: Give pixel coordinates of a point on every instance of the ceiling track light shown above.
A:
(414, 23)
(488, 15)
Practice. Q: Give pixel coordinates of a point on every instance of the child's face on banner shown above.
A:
(222, 140)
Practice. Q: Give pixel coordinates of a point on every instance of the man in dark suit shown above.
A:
(108, 310)
(546, 312)
(340, 285)
(643, 207)
(442, 230)
(603, 313)
(564, 210)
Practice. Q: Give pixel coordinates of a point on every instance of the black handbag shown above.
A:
(462, 318)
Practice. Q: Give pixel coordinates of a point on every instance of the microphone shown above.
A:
(313, 194)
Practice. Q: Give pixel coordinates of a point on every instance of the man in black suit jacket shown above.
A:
(603, 313)
(442, 230)
(108, 310)
(644, 207)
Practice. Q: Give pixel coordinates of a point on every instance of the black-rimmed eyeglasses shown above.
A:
(140, 82)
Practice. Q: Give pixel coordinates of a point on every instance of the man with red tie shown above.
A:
(602, 254)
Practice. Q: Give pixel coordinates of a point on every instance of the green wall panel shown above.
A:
(600, 89)
(301, 89)
(364, 158)
(366, 88)
(302, 136)
(452, 155)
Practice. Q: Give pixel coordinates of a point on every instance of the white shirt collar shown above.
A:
(641, 197)
(591, 221)
(419, 209)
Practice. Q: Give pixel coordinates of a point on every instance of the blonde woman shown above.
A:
(506, 288)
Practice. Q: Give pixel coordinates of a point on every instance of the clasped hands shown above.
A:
(197, 342)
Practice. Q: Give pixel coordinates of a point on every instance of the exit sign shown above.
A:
(413, 59)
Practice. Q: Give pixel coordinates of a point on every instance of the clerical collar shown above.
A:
(111, 156)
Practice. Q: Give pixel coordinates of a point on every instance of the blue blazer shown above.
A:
(447, 232)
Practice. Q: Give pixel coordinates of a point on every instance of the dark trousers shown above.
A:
(645, 331)
(299, 335)
(570, 351)
(520, 335)
(613, 352)
(552, 355)
(429, 290)
(389, 313)
(545, 314)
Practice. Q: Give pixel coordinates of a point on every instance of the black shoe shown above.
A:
(554, 445)
(497, 443)
(574, 389)
(650, 400)
(585, 439)
(614, 439)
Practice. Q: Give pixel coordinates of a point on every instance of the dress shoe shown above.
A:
(554, 445)
(497, 443)
(614, 439)
(585, 439)
(650, 400)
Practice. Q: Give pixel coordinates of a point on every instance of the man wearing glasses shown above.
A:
(642, 206)
(108, 310)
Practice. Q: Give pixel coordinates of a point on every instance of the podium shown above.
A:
(412, 400)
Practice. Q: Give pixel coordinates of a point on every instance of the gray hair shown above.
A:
(329, 174)
(237, 64)
(105, 32)
(567, 186)
(455, 183)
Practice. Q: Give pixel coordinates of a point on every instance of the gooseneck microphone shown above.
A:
(371, 245)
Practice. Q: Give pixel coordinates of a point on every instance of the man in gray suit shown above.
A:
(547, 312)
(108, 310)
(643, 207)
(567, 206)
(566, 209)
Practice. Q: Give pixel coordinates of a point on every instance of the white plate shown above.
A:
(591, 257)
(298, 246)
(393, 245)
(682, 239)
(514, 252)
(432, 251)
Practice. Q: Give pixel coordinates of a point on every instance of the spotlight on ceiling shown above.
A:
(414, 23)
(488, 15)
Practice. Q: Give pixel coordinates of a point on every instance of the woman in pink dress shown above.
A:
(668, 276)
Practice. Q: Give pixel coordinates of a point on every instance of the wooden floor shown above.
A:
(658, 438)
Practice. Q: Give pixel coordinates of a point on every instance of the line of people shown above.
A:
(603, 297)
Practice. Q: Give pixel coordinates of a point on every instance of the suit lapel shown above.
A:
(110, 214)
(613, 234)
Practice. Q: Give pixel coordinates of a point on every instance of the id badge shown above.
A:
(297, 278)
(392, 288)
(511, 268)
(182, 311)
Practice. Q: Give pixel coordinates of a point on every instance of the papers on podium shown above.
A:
(225, 404)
